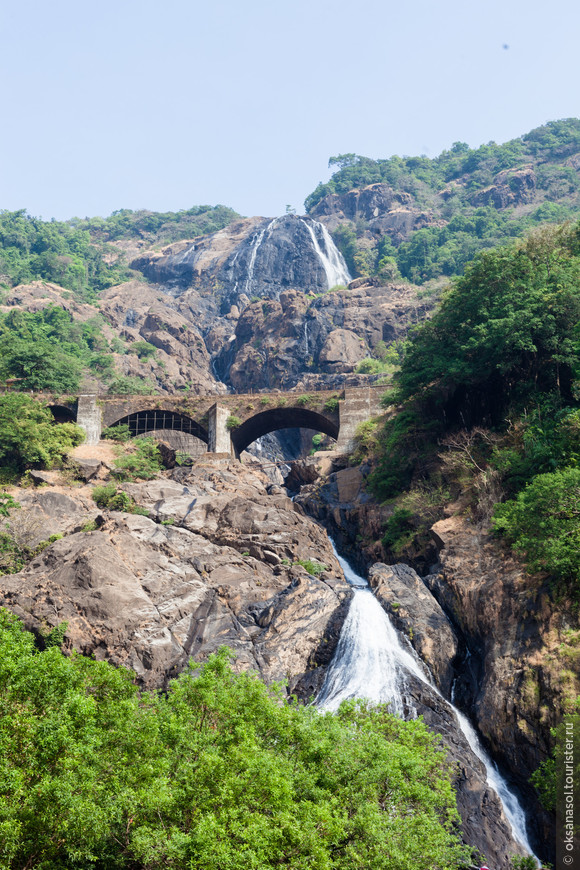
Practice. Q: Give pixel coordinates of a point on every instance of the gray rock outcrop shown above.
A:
(219, 564)
(415, 612)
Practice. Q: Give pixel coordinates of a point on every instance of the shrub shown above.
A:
(143, 462)
(29, 437)
(233, 422)
(143, 349)
(314, 568)
(398, 529)
(110, 497)
(120, 432)
(131, 386)
(303, 400)
(543, 524)
(331, 404)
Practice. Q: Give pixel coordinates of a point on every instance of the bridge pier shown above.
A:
(354, 409)
(89, 418)
(219, 438)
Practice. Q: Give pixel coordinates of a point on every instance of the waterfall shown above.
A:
(329, 255)
(371, 662)
(257, 241)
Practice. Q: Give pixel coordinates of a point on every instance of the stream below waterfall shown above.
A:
(371, 662)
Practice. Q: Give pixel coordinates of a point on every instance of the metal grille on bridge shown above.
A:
(148, 421)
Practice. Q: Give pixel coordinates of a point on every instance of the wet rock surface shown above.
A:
(415, 612)
(484, 825)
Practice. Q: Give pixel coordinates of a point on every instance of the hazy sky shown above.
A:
(140, 104)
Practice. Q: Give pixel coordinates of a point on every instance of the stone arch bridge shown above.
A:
(227, 423)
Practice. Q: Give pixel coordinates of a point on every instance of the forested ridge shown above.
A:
(470, 198)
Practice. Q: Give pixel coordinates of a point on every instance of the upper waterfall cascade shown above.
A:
(372, 663)
(330, 257)
(287, 252)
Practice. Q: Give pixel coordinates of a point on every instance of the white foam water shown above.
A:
(256, 242)
(330, 257)
(371, 662)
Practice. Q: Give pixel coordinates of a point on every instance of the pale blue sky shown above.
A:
(140, 104)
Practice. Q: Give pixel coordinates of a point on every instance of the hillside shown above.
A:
(458, 291)
(171, 301)
(425, 218)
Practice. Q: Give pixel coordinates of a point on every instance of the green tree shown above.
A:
(29, 437)
(543, 523)
(505, 333)
(218, 772)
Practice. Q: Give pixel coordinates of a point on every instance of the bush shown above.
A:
(543, 524)
(29, 437)
(215, 772)
(303, 400)
(143, 462)
(332, 404)
(233, 422)
(314, 568)
(110, 497)
(131, 386)
(143, 349)
(398, 529)
(121, 433)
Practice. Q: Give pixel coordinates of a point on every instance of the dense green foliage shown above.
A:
(502, 352)
(141, 461)
(112, 498)
(79, 254)
(54, 251)
(29, 437)
(454, 189)
(216, 774)
(543, 523)
(421, 175)
(506, 333)
(163, 227)
(48, 350)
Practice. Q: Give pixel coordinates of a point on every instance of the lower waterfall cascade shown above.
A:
(372, 663)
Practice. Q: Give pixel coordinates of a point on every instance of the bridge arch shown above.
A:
(281, 418)
(63, 414)
(154, 419)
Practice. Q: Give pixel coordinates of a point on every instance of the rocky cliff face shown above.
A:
(475, 617)
(386, 211)
(298, 340)
(254, 257)
(217, 563)
(525, 674)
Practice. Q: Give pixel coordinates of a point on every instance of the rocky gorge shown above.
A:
(223, 556)
(233, 553)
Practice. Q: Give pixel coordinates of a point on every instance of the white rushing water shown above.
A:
(265, 232)
(371, 662)
(328, 254)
